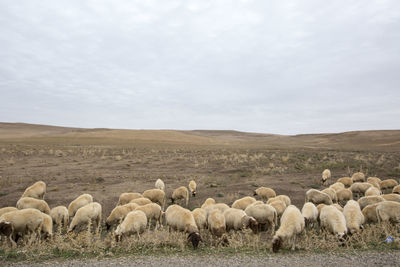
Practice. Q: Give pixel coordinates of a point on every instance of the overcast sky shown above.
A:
(284, 67)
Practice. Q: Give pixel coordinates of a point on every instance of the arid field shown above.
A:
(226, 165)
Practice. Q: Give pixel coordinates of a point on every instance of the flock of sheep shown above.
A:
(334, 209)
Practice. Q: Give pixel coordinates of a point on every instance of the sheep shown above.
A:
(60, 216)
(326, 174)
(156, 196)
(396, 190)
(338, 207)
(152, 211)
(7, 209)
(388, 211)
(119, 213)
(243, 202)
(317, 197)
(160, 185)
(320, 207)
(310, 213)
(369, 213)
(180, 193)
(332, 194)
(292, 224)
(374, 179)
(372, 191)
(265, 215)
(237, 219)
(37, 190)
(209, 201)
(354, 217)
(85, 215)
(17, 223)
(192, 187)
(125, 198)
(391, 197)
(79, 202)
(264, 193)
(134, 222)
(141, 201)
(182, 219)
(279, 206)
(220, 206)
(30, 202)
(200, 217)
(216, 223)
(365, 201)
(358, 177)
(333, 221)
(388, 184)
(346, 181)
(337, 186)
(344, 195)
(374, 184)
(284, 198)
(359, 188)
(47, 226)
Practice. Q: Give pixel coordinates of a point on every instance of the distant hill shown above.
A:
(385, 140)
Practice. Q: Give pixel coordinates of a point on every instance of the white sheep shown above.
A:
(388, 211)
(396, 190)
(375, 184)
(192, 187)
(374, 179)
(310, 213)
(317, 197)
(370, 214)
(265, 215)
(125, 198)
(60, 216)
(134, 222)
(200, 217)
(209, 201)
(358, 177)
(37, 190)
(279, 206)
(30, 202)
(391, 197)
(79, 202)
(216, 223)
(264, 193)
(340, 208)
(372, 191)
(18, 223)
(337, 186)
(353, 215)
(359, 188)
(91, 213)
(333, 221)
(332, 194)
(346, 181)
(243, 202)
(156, 196)
(237, 219)
(160, 184)
(284, 198)
(292, 224)
(152, 211)
(326, 174)
(388, 184)
(220, 206)
(118, 214)
(344, 195)
(47, 226)
(180, 193)
(182, 219)
(141, 201)
(365, 201)
(7, 209)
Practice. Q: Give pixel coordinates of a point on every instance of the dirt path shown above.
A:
(388, 258)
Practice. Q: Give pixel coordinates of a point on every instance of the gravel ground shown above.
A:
(389, 258)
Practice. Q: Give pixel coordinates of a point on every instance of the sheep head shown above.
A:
(6, 228)
(195, 238)
(194, 193)
(276, 243)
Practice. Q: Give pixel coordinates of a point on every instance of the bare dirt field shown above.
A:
(225, 164)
